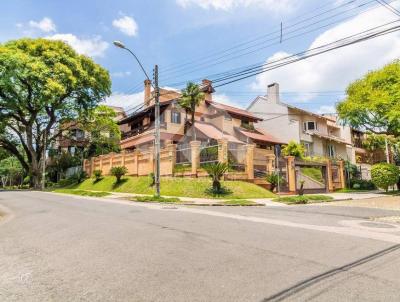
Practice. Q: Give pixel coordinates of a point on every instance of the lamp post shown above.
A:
(119, 44)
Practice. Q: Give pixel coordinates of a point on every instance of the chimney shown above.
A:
(206, 87)
(147, 92)
(273, 92)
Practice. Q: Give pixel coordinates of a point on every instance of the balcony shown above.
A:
(141, 129)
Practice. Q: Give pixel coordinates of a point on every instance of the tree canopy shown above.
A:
(191, 98)
(44, 83)
(373, 102)
(104, 131)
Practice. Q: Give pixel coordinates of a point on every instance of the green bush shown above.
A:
(274, 179)
(293, 149)
(97, 174)
(216, 171)
(118, 172)
(361, 184)
(384, 175)
(78, 177)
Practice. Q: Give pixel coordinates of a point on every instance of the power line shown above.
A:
(167, 68)
(389, 7)
(309, 53)
(237, 54)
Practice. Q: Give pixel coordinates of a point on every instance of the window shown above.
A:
(310, 126)
(308, 147)
(162, 118)
(175, 117)
(77, 134)
(331, 150)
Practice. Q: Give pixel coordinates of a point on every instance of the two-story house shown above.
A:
(74, 139)
(214, 121)
(320, 135)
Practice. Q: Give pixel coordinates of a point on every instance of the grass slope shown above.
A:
(314, 173)
(187, 187)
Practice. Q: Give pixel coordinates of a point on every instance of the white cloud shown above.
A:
(326, 109)
(126, 25)
(125, 100)
(272, 5)
(336, 69)
(121, 74)
(46, 25)
(93, 47)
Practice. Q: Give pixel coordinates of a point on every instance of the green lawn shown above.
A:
(303, 199)
(81, 192)
(187, 187)
(314, 173)
(352, 190)
(239, 202)
(156, 199)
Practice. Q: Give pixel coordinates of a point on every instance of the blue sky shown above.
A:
(174, 32)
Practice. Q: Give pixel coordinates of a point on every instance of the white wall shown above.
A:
(276, 122)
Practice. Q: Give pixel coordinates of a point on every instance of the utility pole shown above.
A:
(157, 130)
(157, 113)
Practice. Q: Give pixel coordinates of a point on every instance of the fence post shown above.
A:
(195, 154)
(222, 150)
(329, 177)
(270, 163)
(123, 158)
(151, 159)
(91, 166)
(341, 174)
(111, 160)
(136, 159)
(172, 154)
(291, 173)
(249, 168)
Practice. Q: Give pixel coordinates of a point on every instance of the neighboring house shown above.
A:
(214, 121)
(362, 155)
(73, 139)
(320, 135)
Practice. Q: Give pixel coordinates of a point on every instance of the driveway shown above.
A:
(69, 248)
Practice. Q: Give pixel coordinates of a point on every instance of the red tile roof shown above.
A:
(212, 132)
(259, 135)
(233, 110)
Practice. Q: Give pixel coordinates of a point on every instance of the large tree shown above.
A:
(373, 102)
(191, 98)
(44, 84)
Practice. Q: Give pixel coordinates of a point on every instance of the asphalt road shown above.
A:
(68, 248)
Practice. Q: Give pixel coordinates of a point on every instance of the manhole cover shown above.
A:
(377, 225)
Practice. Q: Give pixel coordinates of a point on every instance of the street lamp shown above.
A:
(121, 45)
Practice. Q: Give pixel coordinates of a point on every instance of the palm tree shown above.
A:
(216, 171)
(191, 98)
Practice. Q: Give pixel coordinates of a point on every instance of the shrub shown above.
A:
(97, 174)
(118, 172)
(361, 184)
(274, 179)
(216, 171)
(78, 177)
(293, 149)
(384, 175)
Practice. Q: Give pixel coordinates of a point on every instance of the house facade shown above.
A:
(74, 139)
(213, 121)
(320, 135)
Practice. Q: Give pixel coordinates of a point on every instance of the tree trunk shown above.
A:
(216, 186)
(193, 129)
